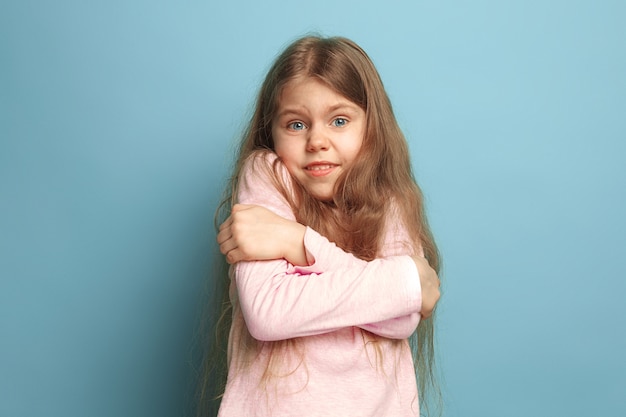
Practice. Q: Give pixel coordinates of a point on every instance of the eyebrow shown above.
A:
(298, 110)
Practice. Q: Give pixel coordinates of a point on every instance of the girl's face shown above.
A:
(317, 133)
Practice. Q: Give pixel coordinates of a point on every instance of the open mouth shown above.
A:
(320, 169)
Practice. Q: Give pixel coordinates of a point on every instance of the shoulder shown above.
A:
(265, 166)
(264, 180)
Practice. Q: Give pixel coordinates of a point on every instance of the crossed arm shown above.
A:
(306, 285)
(254, 233)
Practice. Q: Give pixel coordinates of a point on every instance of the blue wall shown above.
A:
(117, 122)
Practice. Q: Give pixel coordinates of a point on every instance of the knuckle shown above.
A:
(245, 249)
(235, 228)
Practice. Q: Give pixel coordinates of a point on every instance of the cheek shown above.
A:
(285, 152)
(353, 148)
(279, 148)
(278, 143)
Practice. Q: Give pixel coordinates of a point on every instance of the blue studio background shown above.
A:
(117, 124)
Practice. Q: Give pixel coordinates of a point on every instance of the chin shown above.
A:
(322, 196)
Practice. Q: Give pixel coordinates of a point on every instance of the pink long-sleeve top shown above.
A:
(331, 364)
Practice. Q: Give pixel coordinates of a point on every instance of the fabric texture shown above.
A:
(328, 311)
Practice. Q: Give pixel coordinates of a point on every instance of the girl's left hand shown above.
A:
(254, 233)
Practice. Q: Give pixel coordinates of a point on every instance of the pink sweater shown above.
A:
(333, 368)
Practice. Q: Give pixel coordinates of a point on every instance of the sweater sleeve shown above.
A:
(281, 301)
(397, 242)
(329, 258)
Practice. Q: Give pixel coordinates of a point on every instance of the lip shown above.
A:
(320, 168)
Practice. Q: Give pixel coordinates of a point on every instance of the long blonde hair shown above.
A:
(381, 174)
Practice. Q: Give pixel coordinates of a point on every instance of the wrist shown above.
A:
(294, 250)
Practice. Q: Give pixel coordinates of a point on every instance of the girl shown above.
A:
(333, 263)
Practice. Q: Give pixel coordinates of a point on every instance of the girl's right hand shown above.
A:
(429, 282)
(254, 233)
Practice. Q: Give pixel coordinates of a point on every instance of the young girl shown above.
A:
(333, 263)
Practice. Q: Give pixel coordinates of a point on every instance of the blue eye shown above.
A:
(340, 122)
(296, 126)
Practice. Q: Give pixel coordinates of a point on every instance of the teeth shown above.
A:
(319, 167)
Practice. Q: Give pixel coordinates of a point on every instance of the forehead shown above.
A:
(311, 94)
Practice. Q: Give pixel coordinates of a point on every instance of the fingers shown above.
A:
(226, 228)
(225, 239)
(229, 248)
(233, 256)
(429, 281)
(224, 235)
(237, 208)
(228, 244)
(227, 223)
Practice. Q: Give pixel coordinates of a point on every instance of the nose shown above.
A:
(317, 141)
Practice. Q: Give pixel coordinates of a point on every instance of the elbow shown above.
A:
(399, 328)
(407, 327)
(412, 324)
(265, 319)
(265, 326)
(262, 331)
